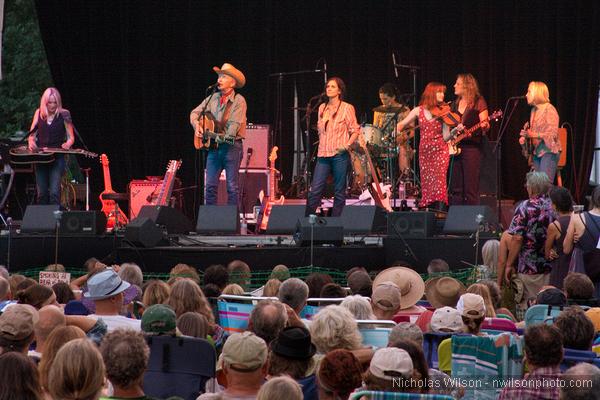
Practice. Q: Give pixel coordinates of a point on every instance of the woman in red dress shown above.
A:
(433, 149)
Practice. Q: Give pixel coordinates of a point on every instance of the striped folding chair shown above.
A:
(373, 395)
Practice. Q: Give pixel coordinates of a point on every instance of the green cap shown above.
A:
(159, 318)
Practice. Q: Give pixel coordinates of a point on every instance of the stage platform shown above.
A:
(25, 251)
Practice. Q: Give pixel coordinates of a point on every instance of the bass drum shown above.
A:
(372, 135)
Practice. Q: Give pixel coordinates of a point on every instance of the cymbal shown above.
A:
(390, 109)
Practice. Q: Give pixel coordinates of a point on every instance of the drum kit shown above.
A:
(391, 151)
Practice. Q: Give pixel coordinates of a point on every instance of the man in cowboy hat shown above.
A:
(229, 108)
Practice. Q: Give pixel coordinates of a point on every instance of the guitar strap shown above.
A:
(226, 114)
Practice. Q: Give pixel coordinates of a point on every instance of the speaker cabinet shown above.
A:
(253, 182)
(82, 223)
(467, 219)
(143, 192)
(143, 232)
(39, 219)
(411, 224)
(213, 220)
(284, 218)
(364, 220)
(257, 139)
(172, 219)
(323, 230)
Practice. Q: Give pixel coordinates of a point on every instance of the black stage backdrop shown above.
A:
(131, 71)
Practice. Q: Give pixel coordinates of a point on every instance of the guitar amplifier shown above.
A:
(143, 191)
(257, 180)
(257, 138)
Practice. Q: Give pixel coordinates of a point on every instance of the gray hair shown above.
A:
(293, 292)
(489, 254)
(334, 328)
(406, 330)
(265, 323)
(131, 273)
(581, 382)
(50, 317)
(437, 265)
(359, 306)
(537, 182)
(282, 387)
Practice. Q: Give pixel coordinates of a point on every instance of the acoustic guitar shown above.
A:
(271, 200)
(380, 197)
(214, 133)
(109, 207)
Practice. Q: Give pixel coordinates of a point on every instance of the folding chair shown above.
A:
(541, 313)
(573, 357)
(431, 341)
(178, 366)
(372, 395)
(498, 325)
(375, 336)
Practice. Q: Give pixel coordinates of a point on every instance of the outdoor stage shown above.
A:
(26, 251)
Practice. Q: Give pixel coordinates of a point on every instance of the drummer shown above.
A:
(385, 118)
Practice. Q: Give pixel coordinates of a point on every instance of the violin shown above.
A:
(442, 111)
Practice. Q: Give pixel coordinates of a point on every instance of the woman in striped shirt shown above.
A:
(338, 129)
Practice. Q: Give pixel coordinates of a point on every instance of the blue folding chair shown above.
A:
(373, 395)
(373, 335)
(573, 357)
(178, 366)
(431, 341)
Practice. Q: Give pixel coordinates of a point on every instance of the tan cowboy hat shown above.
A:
(409, 281)
(228, 69)
(443, 291)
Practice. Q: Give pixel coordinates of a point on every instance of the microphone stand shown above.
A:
(201, 155)
(244, 229)
(278, 125)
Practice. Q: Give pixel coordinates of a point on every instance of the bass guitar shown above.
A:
(271, 200)
(166, 189)
(381, 198)
(453, 148)
(214, 133)
(45, 155)
(109, 207)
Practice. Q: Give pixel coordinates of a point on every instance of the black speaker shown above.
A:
(467, 219)
(39, 219)
(411, 224)
(488, 179)
(82, 223)
(325, 230)
(364, 220)
(284, 218)
(143, 232)
(213, 220)
(171, 218)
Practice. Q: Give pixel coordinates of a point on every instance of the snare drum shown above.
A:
(372, 135)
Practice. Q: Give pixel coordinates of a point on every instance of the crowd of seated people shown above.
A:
(100, 335)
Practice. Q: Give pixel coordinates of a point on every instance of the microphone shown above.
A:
(394, 63)
(214, 86)
(323, 97)
(517, 97)
(325, 70)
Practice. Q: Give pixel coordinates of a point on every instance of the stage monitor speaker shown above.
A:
(257, 139)
(322, 230)
(82, 223)
(143, 232)
(214, 220)
(364, 220)
(411, 224)
(284, 218)
(39, 219)
(172, 219)
(467, 219)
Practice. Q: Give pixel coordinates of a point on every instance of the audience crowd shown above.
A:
(112, 334)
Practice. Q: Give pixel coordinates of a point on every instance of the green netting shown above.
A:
(257, 279)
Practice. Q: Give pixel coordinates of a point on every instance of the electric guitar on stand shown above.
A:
(453, 148)
(268, 202)
(380, 197)
(166, 189)
(109, 207)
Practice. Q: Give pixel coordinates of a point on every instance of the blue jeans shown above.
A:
(546, 163)
(337, 166)
(47, 180)
(225, 157)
